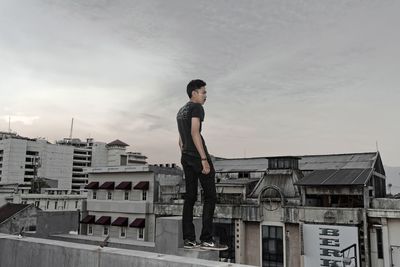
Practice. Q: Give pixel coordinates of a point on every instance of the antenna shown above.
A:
(72, 127)
(9, 124)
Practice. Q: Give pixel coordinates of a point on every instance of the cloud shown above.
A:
(26, 120)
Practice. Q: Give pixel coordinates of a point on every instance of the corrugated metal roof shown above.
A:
(338, 161)
(308, 162)
(336, 177)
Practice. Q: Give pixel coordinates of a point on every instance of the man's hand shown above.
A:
(206, 167)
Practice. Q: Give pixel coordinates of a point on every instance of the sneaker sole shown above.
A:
(195, 249)
(214, 249)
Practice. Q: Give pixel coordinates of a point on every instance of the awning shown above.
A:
(120, 221)
(138, 223)
(89, 219)
(108, 186)
(104, 220)
(124, 186)
(142, 186)
(92, 185)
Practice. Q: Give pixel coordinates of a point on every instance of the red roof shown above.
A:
(117, 143)
(104, 220)
(124, 186)
(120, 221)
(89, 219)
(144, 185)
(138, 223)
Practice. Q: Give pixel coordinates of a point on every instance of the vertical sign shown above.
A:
(330, 246)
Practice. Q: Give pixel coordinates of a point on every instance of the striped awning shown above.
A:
(124, 186)
(120, 221)
(144, 185)
(89, 219)
(92, 185)
(138, 223)
(104, 220)
(108, 186)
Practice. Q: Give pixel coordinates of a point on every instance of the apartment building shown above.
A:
(89, 153)
(19, 156)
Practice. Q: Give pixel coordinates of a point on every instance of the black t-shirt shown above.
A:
(184, 119)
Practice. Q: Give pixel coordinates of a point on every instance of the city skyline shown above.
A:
(284, 78)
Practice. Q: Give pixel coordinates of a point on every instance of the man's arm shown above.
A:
(180, 143)
(195, 131)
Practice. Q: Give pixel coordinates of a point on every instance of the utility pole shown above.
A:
(36, 181)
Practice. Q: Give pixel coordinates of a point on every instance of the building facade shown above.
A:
(19, 156)
(89, 153)
(301, 211)
(121, 200)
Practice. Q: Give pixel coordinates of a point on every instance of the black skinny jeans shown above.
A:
(192, 167)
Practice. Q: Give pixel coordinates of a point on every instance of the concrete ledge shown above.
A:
(36, 252)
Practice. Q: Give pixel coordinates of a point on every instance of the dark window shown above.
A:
(124, 160)
(244, 175)
(272, 246)
(379, 242)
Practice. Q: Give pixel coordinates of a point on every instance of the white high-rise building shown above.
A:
(98, 154)
(18, 156)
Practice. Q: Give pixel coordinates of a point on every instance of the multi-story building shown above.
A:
(19, 156)
(120, 199)
(51, 199)
(91, 154)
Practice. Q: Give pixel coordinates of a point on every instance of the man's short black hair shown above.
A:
(194, 85)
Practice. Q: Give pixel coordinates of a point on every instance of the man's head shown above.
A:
(196, 90)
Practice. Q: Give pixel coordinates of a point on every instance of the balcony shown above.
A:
(142, 207)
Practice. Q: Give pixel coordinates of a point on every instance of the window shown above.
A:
(37, 202)
(122, 232)
(105, 231)
(55, 205)
(24, 202)
(272, 246)
(144, 195)
(109, 195)
(126, 195)
(379, 242)
(140, 234)
(47, 205)
(94, 196)
(90, 229)
(76, 204)
(65, 204)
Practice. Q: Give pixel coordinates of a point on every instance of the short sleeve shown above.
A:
(198, 112)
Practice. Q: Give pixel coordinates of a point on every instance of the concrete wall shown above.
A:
(293, 245)
(56, 222)
(252, 243)
(35, 252)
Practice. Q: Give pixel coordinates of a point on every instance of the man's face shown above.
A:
(199, 95)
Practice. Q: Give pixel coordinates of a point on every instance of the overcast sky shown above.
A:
(283, 77)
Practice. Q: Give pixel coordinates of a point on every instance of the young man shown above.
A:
(197, 165)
